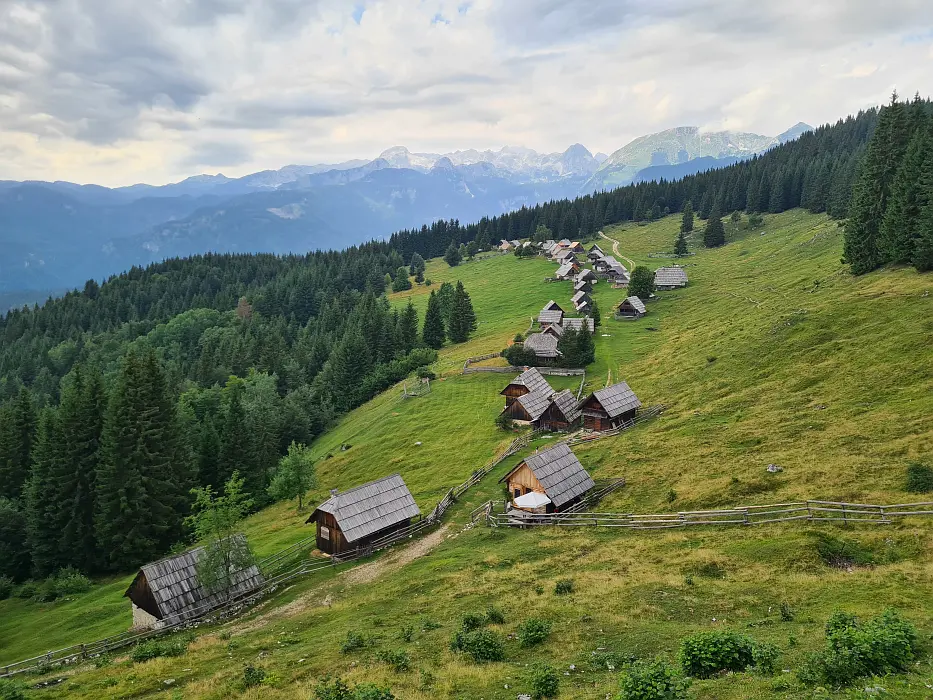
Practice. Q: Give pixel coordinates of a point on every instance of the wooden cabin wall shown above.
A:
(525, 479)
(512, 392)
(515, 411)
(335, 543)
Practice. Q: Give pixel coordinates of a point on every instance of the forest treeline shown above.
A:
(116, 399)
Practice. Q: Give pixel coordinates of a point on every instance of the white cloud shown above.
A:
(122, 91)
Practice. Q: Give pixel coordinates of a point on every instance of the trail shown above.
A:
(615, 250)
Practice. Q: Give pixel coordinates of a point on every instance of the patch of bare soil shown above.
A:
(417, 549)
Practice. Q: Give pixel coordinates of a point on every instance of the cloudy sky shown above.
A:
(123, 91)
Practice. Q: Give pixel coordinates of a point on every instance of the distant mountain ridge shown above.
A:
(58, 234)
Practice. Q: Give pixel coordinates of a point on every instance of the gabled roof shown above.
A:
(177, 591)
(586, 275)
(369, 508)
(564, 270)
(535, 403)
(670, 277)
(552, 306)
(582, 284)
(565, 254)
(515, 243)
(559, 472)
(555, 328)
(566, 403)
(595, 247)
(578, 323)
(532, 380)
(635, 303)
(542, 345)
(550, 317)
(578, 297)
(564, 241)
(617, 399)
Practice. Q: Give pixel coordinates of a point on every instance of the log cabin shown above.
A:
(357, 517)
(631, 307)
(578, 324)
(527, 408)
(581, 302)
(595, 253)
(555, 472)
(670, 278)
(563, 413)
(169, 590)
(547, 316)
(567, 270)
(529, 381)
(610, 407)
(554, 329)
(552, 306)
(586, 275)
(543, 345)
(583, 286)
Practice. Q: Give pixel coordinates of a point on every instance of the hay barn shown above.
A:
(631, 307)
(610, 407)
(528, 382)
(670, 278)
(556, 473)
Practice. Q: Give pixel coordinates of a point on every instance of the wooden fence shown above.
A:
(808, 511)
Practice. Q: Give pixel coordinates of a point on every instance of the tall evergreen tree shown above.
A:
(236, 448)
(923, 244)
(462, 317)
(433, 332)
(452, 255)
(596, 315)
(680, 245)
(43, 514)
(408, 328)
(714, 235)
(686, 221)
(15, 560)
(17, 439)
(899, 230)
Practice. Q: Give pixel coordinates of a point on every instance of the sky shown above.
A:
(115, 92)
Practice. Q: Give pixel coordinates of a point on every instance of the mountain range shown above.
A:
(58, 234)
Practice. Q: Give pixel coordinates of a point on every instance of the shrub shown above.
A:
(518, 338)
(408, 631)
(426, 373)
(494, 616)
(919, 478)
(764, 657)
(652, 680)
(481, 645)
(563, 587)
(517, 356)
(787, 614)
(533, 631)
(371, 691)
(544, 681)
(428, 623)
(504, 422)
(605, 660)
(330, 688)
(46, 591)
(6, 587)
(882, 645)
(354, 642)
(398, 659)
(69, 581)
(10, 690)
(27, 590)
(707, 653)
(155, 648)
(472, 621)
(253, 676)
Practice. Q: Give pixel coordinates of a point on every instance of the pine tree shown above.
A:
(452, 255)
(401, 282)
(568, 346)
(17, 444)
(417, 264)
(586, 348)
(15, 560)
(408, 328)
(43, 518)
(235, 441)
(898, 234)
(208, 454)
(686, 222)
(462, 317)
(680, 245)
(922, 257)
(714, 235)
(433, 333)
(595, 315)
(641, 283)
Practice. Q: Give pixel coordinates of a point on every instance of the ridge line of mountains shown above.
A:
(56, 235)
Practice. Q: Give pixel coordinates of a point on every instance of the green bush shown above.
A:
(10, 690)
(494, 616)
(253, 676)
(764, 657)
(398, 659)
(69, 581)
(481, 645)
(919, 478)
(354, 642)
(652, 680)
(882, 645)
(27, 590)
(371, 691)
(705, 654)
(155, 648)
(472, 621)
(6, 587)
(564, 587)
(407, 632)
(544, 681)
(330, 688)
(608, 660)
(46, 591)
(533, 631)
(504, 422)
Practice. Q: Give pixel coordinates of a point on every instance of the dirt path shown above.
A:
(370, 572)
(615, 250)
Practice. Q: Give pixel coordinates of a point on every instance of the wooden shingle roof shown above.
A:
(578, 324)
(635, 303)
(535, 403)
(617, 399)
(578, 297)
(670, 277)
(567, 404)
(369, 508)
(582, 284)
(559, 472)
(552, 306)
(532, 380)
(177, 591)
(550, 316)
(564, 270)
(542, 345)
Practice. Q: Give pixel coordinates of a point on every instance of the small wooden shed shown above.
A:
(543, 345)
(631, 307)
(547, 316)
(357, 517)
(595, 252)
(578, 324)
(563, 412)
(529, 381)
(169, 590)
(555, 472)
(554, 329)
(581, 302)
(610, 407)
(527, 409)
(552, 306)
(670, 278)
(567, 270)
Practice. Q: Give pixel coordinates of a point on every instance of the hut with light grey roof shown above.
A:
(544, 346)
(610, 407)
(528, 408)
(554, 473)
(528, 382)
(631, 307)
(169, 590)
(670, 278)
(357, 517)
(578, 324)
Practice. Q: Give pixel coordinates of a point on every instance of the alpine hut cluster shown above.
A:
(359, 516)
(169, 591)
(548, 481)
(551, 325)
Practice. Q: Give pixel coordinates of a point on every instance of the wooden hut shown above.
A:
(169, 590)
(576, 247)
(529, 381)
(586, 276)
(583, 286)
(567, 270)
(578, 324)
(552, 306)
(610, 407)
(555, 472)
(544, 346)
(670, 278)
(563, 412)
(565, 255)
(505, 245)
(631, 307)
(595, 253)
(357, 517)
(554, 329)
(581, 302)
(550, 315)
(528, 408)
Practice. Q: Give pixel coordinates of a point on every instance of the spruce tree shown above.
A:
(899, 232)
(714, 235)
(235, 441)
(462, 317)
(401, 282)
(15, 560)
(17, 439)
(452, 255)
(207, 454)
(680, 245)
(596, 315)
(568, 345)
(922, 257)
(433, 333)
(686, 221)
(407, 331)
(42, 510)
(586, 348)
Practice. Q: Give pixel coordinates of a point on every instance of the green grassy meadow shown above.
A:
(773, 354)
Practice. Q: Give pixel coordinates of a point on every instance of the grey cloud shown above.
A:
(217, 154)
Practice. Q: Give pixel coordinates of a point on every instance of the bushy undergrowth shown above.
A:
(175, 645)
(879, 646)
(545, 682)
(919, 478)
(564, 587)
(481, 645)
(705, 654)
(6, 587)
(331, 688)
(398, 659)
(843, 552)
(652, 680)
(70, 581)
(11, 690)
(354, 641)
(494, 616)
(533, 631)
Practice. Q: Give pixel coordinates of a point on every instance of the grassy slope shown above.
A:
(757, 363)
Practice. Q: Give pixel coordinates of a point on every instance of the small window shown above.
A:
(517, 492)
